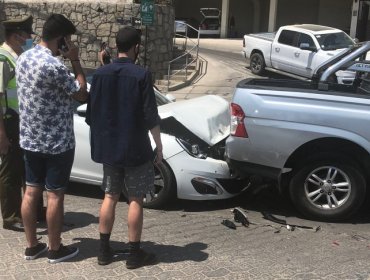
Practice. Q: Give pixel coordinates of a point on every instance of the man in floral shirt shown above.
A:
(46, 91)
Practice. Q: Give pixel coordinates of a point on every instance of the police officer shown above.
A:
(17, 40)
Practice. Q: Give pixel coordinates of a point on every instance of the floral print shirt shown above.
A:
(45, 86)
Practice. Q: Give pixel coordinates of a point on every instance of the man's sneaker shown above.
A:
(62, 254)
(139, 259)
(105, 256)
(14, 226)
(33, 252)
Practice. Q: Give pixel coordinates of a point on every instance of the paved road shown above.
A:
(224, 66)
(191, 243)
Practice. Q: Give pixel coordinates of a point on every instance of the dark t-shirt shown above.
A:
(121, 110)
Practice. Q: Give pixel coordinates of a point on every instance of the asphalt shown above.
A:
(191, 242)
(218, 76)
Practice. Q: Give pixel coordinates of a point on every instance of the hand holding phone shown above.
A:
(68, 49)
(62, 45)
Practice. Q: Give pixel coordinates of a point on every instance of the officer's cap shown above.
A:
(24, 24)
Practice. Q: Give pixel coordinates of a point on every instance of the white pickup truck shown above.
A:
(295, 50)
(313, 138)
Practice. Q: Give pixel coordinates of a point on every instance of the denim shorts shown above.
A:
(135, 181)
(48, 171)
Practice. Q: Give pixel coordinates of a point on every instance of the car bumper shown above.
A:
(251, 169)
(204, 179)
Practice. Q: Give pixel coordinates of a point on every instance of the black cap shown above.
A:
(24, 24)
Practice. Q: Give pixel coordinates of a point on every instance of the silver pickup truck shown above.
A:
(313, 138)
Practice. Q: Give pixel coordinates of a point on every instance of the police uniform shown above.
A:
(12, 165)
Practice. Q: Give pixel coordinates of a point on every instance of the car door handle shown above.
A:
(277, 49)
(296, 54)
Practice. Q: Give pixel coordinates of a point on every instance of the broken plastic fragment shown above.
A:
(240, 217)
(290, 228)
(228, 224)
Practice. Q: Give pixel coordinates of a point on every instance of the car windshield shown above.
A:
(333, 41)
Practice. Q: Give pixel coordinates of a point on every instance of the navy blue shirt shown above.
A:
(121, 110)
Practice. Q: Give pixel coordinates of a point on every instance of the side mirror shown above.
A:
(307, 47)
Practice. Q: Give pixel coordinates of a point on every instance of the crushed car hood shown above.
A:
(207, 117)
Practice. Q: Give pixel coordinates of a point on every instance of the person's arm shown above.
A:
(73, 55)
(4, 78)
(156, 133)
(82, 94)
(151, 116)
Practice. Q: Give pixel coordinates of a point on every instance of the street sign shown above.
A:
(147, 12)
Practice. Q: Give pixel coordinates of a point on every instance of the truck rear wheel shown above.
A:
(257, 64)
(328, 189)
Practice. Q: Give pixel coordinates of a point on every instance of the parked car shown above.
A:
(193, 139)
(210, 25)
(295, 50)
(313, 138)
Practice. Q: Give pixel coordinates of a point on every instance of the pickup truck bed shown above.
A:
(269, 36)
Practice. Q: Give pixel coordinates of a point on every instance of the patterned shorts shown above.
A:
(136, 181)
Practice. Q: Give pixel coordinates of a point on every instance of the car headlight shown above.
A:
(191, 149)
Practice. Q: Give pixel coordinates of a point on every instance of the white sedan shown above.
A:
(193, 134)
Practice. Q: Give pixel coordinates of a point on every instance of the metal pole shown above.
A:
(146, 42)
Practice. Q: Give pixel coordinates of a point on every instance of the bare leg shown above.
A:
(30, 201)
(135, 219)
(107, 213)
(55, 217)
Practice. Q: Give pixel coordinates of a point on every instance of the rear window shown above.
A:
(210, 23)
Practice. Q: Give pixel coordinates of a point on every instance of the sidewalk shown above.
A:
(219, 76)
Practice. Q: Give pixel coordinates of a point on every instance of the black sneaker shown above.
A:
(33, 252)
(105, 256)
(13, 226)
(139, 259)
(62, 254)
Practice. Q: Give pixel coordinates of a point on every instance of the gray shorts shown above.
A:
(136, 181)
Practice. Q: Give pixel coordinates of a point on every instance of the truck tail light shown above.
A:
(237, 127)
(243, 42)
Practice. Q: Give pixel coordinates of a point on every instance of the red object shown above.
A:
(237, 121)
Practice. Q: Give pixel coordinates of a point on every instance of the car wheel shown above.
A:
(257, 64)
(328, 189)
(164, 187)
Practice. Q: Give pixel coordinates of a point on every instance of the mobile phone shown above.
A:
(62, 45)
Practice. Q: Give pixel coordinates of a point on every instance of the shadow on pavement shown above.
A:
(265, 199)
(85, 190)
(72, 220)
(89, 248)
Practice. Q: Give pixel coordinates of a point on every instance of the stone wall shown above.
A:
(99, 22)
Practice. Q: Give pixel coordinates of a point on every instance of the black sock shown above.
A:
(104, 240)
(134, 246)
